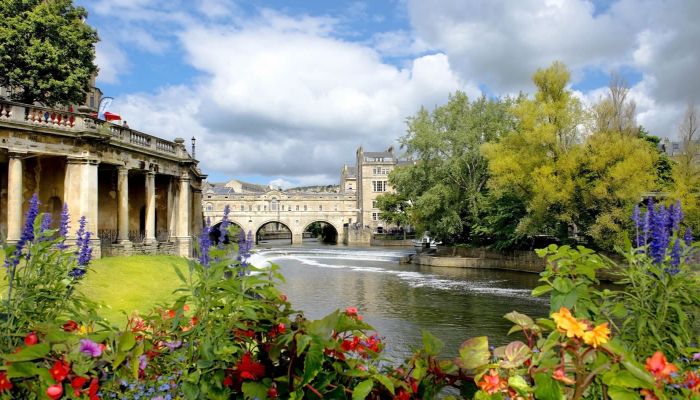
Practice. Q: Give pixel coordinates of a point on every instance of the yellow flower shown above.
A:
(566, 323)
(84, 330)
(597, 336)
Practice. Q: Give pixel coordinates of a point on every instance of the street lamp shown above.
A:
(193, 147)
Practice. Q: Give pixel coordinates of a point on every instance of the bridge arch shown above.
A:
(280, 230)
(325, 230)
(215, 232)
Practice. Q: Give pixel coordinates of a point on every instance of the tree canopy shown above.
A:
(47, 51)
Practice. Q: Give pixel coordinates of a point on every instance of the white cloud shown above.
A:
(282, 97)
(111, 60)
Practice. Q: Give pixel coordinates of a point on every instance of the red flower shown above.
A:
(402, 395)
(660, 367)
(351, 311)
(31, 339)
(70, 326)
(249, 369)
(648, 394)
(283, 297)
(228, 381)
(5, 383)
(692, 381)
(272, 392)
(93, 389)
(55, 391)
(280, 327)
(560, 375)
(492, 382)
(77, 384)
(59, 371)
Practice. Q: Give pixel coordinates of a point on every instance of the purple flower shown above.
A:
(173, 345)
(85, 251)
(27, 233)
(65, 220)
(143, 362)
(204, 245)
(676, 216)
(688, 236)
(45, 222)
(81, 232)
(90, 348)
(675, 257)
(77, 273)
(696, 356)
(660, 235)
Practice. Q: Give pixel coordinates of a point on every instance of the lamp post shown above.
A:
(193, 146)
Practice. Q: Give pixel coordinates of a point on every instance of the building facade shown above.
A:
(139, 193)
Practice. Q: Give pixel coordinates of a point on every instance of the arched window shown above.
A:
(210, 207)
(273, 205)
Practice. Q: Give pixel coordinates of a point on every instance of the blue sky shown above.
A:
(284, 92)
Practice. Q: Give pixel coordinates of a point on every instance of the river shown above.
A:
(401, 300)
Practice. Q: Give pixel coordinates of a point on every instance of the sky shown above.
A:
(284, 92)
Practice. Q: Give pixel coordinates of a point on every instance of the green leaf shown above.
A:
(546, 323)
(562, 285)
(623, 379)
(191, 390)
(432, 345)
(126, 341)
(520, 385)
(313, 361)
(22, 370)
(519, 319)
(516, 353)
(179, 274)
(474, 353)
(540, 290)
(384, 380)
(362, 390)
(559, 300)
(546, 388)
(253, 390)
(620, 393)
(303, 342)
(29, 353)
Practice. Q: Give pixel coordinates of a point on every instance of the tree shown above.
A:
(394, 209)
(446, 186)
(532, 163)
(616, 113)
(46, 51)
(686, 170)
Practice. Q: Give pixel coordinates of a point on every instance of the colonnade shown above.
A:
(81, 187)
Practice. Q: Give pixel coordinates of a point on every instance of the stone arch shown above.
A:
(215, 233)
(286, 225)
(328, 238)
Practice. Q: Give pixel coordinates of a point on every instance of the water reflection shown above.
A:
(401, 300)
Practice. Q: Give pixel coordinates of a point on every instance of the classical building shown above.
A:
(138, 192)
(349, 207)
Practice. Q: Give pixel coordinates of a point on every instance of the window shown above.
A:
(250, 207)
(379, 186)
(265, 207)
(380, 171)
(336, 207)
(210, 207)
(258, 207)
(242, 207)
(375, 216)
(320, 208)
(273, 205)
(304, 207)
(297, 207)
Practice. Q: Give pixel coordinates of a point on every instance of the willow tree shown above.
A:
(47, 51)
(443, 191)
(532, 164)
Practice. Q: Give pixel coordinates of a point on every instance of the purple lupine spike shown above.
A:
(85, 253)
(223, 227)
(649, 221)
(32, 213)
(204, 245)
(45, 222)
(675, 257)
(65, 221)
(660, 238)
(249, 240)
(637, 220)
(688, 236)
(81, 232)
(676, 217)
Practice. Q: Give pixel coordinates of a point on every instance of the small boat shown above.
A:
(426, 242)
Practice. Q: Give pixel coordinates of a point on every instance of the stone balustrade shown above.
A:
(80, 123)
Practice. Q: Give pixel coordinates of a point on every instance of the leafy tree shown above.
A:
(46, 51)
(686, 170)
(394, 209)
(532, 162)
(446, 187)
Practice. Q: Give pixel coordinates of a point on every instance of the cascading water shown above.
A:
(400, 300)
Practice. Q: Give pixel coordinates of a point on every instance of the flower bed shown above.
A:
(231, 333)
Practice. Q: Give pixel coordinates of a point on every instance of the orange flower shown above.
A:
(648, 394)
(660, 367)
(566, 323)
(692, 381)
(597, 336)
(492, 382)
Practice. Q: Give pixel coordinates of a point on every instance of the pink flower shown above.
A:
(90, 348)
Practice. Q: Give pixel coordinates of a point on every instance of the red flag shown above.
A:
(111, 117)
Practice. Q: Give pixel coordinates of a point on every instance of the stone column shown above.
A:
(14, 198)
(123, 207)
(184, 238)
(150, 234)
(80, 194)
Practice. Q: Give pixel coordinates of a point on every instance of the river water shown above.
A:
(400, 300)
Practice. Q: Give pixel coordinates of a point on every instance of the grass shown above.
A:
(134, 283)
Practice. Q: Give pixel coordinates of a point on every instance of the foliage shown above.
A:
(569, 186)
(46, 51)
(686, 167)
(443, 192)
(231, 334)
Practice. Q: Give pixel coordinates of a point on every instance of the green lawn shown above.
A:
(126, 284)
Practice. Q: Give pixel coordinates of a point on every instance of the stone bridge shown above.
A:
(138, 192)
(294, 210)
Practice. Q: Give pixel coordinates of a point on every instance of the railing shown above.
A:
(81, 123)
